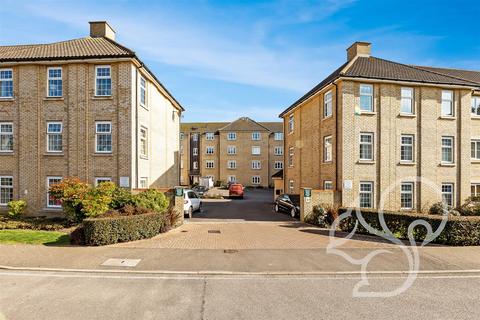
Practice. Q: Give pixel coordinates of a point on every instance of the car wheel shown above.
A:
(277, 209)
(293, 213)
(190, 212)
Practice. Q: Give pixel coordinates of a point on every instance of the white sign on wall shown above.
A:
(347, 184)
(125, 182)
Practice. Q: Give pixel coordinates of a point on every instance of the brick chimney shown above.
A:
(101, 29)
(358, 49)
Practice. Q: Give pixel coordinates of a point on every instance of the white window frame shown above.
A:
(7, 135)
(49, 78)
(291, 123)
(451, 147)
(291, 185)
(231, 136)
(209, 164)
(475, 189)
(371, 144)
(232, 164)
(99, 180)
(256, 165)
(8, 188)
(405, 146)
(256, 136)
(48, 193)
(327, 149)
(195, 151)
(256, 180)
(449, 101)
(195, 137)
(98, 134)
(475, 110)
(278, 165)
(370, 193)
(53, 133)
(231, 150)
(278, 136)
(410, 193)
(291, 154)
(143, 91)
(327, 185)
(278, 151)
(97, 77)
(209, 150)
(143, 183)
(254, 151)
(475, 149)
(232, 179)
(143, 142)
(446, 193)
(327, 104)
(209, 136)
(195, 165)
(367, 95)
(6, 80)
(182, 135)
(407, 96)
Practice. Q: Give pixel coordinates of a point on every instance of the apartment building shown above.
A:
(86, 108)
(375, 126)
(243, 151)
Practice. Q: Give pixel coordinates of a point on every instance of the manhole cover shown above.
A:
(230, 251)
(121, 262)
(214, 231)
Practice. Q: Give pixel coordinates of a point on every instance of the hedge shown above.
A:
(458, 231)
(103, 231)
(34, 223)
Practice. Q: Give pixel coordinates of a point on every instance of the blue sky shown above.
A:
(226, 59)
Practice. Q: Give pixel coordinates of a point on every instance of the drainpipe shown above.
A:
(337, 144)
(136, 131)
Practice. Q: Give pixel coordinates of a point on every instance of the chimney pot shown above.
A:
(358, 49)
(101, 29)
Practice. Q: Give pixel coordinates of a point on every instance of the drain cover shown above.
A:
(121, 262)
(214, 231)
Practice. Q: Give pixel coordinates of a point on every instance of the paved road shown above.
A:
(256, 206)
(121, 296)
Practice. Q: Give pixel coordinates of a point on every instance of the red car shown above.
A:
(235, 191)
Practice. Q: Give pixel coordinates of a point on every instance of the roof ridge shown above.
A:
(119, 45)
(455, 69)
(425, 70)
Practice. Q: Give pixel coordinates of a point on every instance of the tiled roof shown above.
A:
(202, 126)
(242, 124)
(380, 69)
(83, 48)
(273, 126)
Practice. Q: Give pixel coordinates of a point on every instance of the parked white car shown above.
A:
(192, 202)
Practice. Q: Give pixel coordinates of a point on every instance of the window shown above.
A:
(143, 142)
(6, 137)
(278, 136)
(143, 92)
(327, 149)
(54, 137)
(210, 150)
(195, 165)
(6, 190)
(278, 151)
(182, 135)
(195, 151)
(209, 136)
(406, 101)
(256, 165)
(366, 146)
(366, 97)
(232, 136)
(51, 202)
(475, 189)
(256, 151)
(447, 103)
(327, 104)
(476, 106)
(103, 81)
(256, 136)
(447, 193)
(181, 149)
(210, 164)
(55, 88)
(256, 180)
(406, 195)
(103, 137)
(475, 149)
(327, 185)
(181, 164)
(6, 83)
(143, 183)
(291, 123)
(232, 179)
(231, 150)
(290, 156)
(366, 194)
(195, 137)
(291, 185)
(232, 164)
(447, 149)
(406, 148)
(278, 165)
(100, 180)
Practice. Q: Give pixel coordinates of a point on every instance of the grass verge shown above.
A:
(33, 237)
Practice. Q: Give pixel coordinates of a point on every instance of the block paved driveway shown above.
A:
(250, 223)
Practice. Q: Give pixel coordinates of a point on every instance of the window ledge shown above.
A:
(442, 164)
(447, 118)
(327, 162)
(327, 117)
(405, 163)
(102, 97)
(7, 99)
(475, 160)
(367, 113)
(407, 115)
(53, 99)
(54, 154)
(52, 209)
(474, 117)
(143, 157)
(7, 153)
(101, 154)
(366, 162)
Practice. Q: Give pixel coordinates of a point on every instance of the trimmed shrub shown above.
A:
(103, 231)
(322, 215)
(152, 199)
(16, 207)
(121, 197)
(440, 208)
(459, 231)
(471, 207)
(77, 237)
(34, 223)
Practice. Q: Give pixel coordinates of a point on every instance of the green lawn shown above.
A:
(34, 237)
